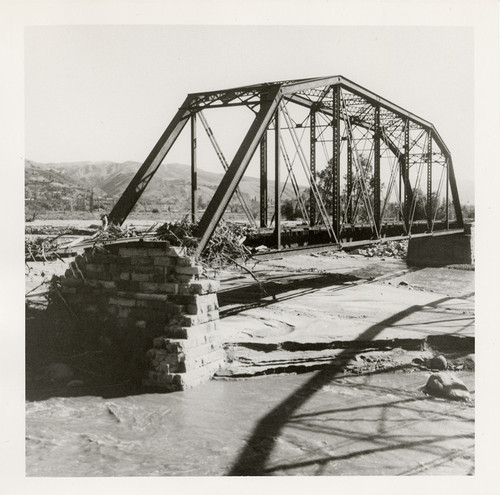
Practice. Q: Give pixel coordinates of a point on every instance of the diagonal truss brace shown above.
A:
(141, 179)
(225, 165)
(230, 181)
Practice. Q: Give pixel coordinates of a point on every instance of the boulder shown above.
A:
(447, 386)
(437, 363)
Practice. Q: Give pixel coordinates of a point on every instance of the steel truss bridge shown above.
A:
(389, 172)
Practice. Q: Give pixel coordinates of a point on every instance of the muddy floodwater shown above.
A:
(309, 424)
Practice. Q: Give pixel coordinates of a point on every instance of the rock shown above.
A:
(447, 386)
(59, 372)
(463, 362)
(403, 283)
(418, 361)
(438, 363)
(471, 358)
(260, 249)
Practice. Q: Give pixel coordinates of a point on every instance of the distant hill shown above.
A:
(75, 186)
(69, 185)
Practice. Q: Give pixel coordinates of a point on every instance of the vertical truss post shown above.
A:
(429, 180)
(401, 166)
(194, 170)
(336, 161)
(263, 180)
(376, 174)
(406, 177)
(277, 189)
(312, 200)
(447, 218)
(349, 184)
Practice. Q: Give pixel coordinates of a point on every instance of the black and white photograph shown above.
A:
(250, 246)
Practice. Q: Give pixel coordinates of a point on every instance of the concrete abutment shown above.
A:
(442, 249)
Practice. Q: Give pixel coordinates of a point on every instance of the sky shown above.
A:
(108, 92)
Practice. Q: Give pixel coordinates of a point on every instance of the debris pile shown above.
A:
(223, 248)
(391, 249)
(41, 248)
(180, 233)
(113, 232)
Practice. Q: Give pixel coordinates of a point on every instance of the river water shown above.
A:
(306, 424)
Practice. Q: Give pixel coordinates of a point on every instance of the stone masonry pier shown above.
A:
(155, 297)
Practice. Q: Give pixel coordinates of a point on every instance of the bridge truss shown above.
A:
(388, 171)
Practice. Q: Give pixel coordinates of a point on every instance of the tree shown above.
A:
(359, 210)
(392, 211)
(288, 209)
(419, 205)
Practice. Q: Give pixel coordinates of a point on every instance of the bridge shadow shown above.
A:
(255, 295)
(254, 458)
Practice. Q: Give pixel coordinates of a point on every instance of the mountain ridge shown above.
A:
(63, 183)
